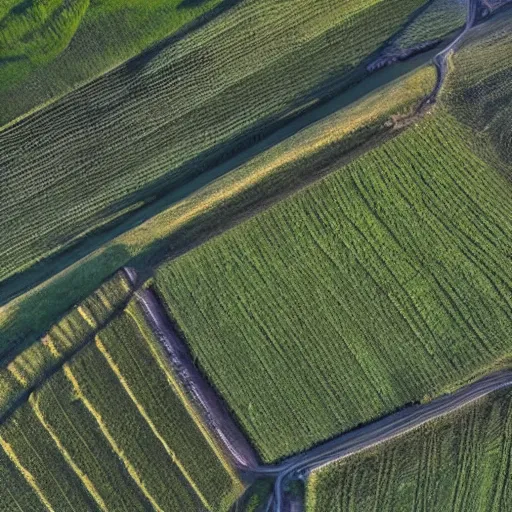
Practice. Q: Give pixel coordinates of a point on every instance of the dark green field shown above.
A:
(479, 90)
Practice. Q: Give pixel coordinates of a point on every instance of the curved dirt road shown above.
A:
(379, 432)
(441, 59)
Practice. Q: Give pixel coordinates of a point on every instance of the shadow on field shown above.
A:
(186, 4)
(138, 62)
(21, 8)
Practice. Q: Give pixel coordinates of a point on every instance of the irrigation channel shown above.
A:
(297, 467)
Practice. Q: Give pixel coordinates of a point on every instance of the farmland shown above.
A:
(115, 431)
(439, 19)
(22, 372)
(459, 463)
(277, 311)
(257, 248)
(145, 129)
(479, 91)
(61, 44)
(262, 179)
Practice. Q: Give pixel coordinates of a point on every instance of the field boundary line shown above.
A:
(193, 413)
(129, 467)
(79, 473)
(111, 363)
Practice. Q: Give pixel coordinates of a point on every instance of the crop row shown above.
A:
(145, 374)
(175, 116)
(387, 281)
(31, 366)
(113, 430)
(459, 463)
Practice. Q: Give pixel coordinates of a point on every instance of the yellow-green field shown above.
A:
(111, 429)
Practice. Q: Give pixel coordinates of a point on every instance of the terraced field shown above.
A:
(459, 463)
(114, 430)
(48, 47)
(149, 127)
(387, 281)
(20, 374)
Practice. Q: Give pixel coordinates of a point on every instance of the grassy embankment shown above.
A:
(48, 47)
(387, 281)
(112, 429)
(216, 206)
(103, 151)
(459, 463)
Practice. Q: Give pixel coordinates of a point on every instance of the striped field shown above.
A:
(114, 430)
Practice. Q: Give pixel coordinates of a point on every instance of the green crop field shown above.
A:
(387, 281)
(460, 463)
(59, 44)
(276, 171)
(32, 450)
(22, 372)
(112, 429)
(143, 128)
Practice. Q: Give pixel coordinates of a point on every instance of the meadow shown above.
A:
(384, 283)
(270, 175)
(59, 44)
(112, 429)
(100, 153)
(459, 463)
